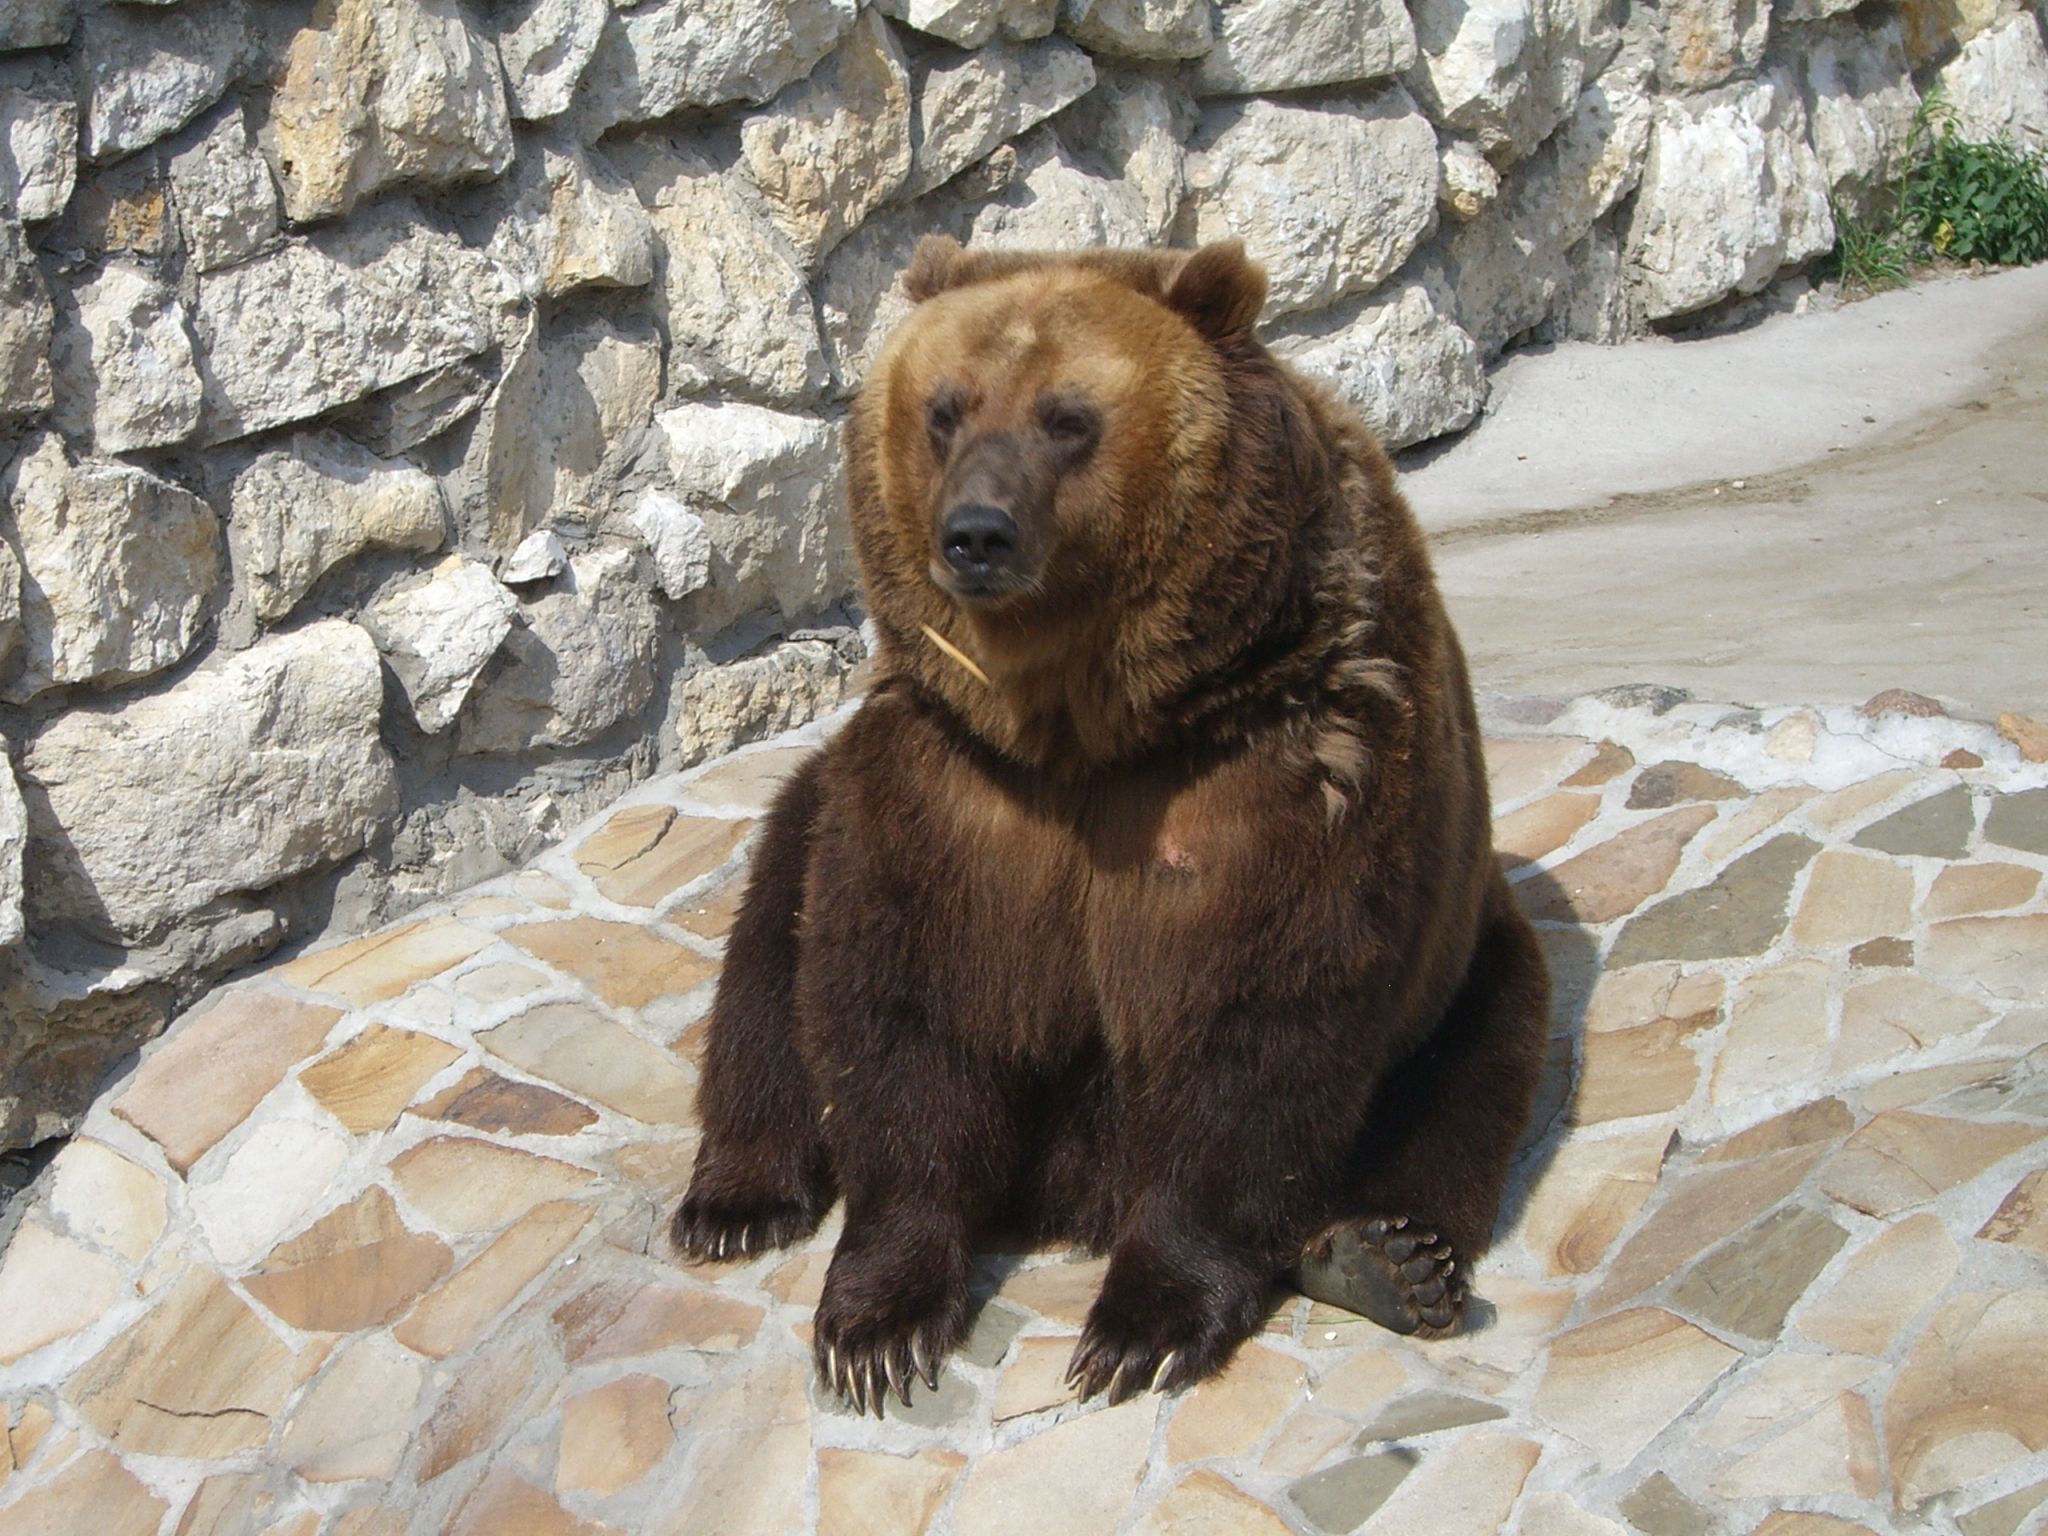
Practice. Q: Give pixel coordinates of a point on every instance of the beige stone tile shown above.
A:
(1035, 1379)
(613, 1435)
(1473, 1488)
(2004, 1515)
(800, 1281)
(1518, 766)
(475, 1406)
(1851, 897)
(1525, 1319)
(355, 1421)
(578, 1048)
(454, 1316)
(1963, 890)
(1360, 1384)
(1648, 1070)
(357, 1267)
(280, 1174)
(1938, 1438)
(1305, 1442)
(711, 915)
(506, 1504)
(543, 890)
(1060, 1293)
(100, 1195)
(690, 848)
(1540, 829)
(1616, 1383)
(1589, 1193)
(215, 1067)
(1613, 878)
(501, 981)
(2006, 956)
(2022, 1217)
(1748, 1284)
(484, 1101)
(1896, 1014)
(305, 1523)
(1901, 1090)
(1708, 1205)
(1745, 823)
(1845, 807)
(367, 1083)
(95, 1493)
(616, 1319)
(382, 965)
(199, 1376)
(1824, 1121)
(1882, 1287)
(753, 1456)
(1076, 1478)
(1609, 761)
(1228, 1414)
(1792, 1522)
(1903, 1158)
(1204, 1504)
(50, 1287)
(1777, 1031)
(1554, 1514)
(27, 1431)
(1780, 1389)
(1832, 1452)
(624, 837)
(662, 1168)
(624, 965)
(2020, 1030)
(491, 909)
(1644, 994)
(231, 1501)
(861, 1493)
(463, 1184)
(748, 781)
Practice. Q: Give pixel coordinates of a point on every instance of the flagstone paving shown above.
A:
(372, 1242)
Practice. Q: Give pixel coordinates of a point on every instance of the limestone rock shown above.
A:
(831, 148)
(25, 325)
(544, 47)
(36, 23)
(38, 149)
(119, 567)
(10, 601)
(574, 224)
(655, 60)
(437, 630)
(679, 541)
(766, 486)
(418, 410)
(143, 73)
(226, 201)
(860, 290)
(374, 303)
(539, 557)
(1998, 84)
(1288, 45)
(737, 311)
(577, 663)
(13, 839)
(126, 377)
(300, 510)
(970, 23)
(256, 766)
(1140, 29)
(1055, 204)
(1132, 128)
(1731, 193)
(1412, 373)
(1704, 42)
(1507, 72)
(379, 92)
(1469, 182)
(1331, 198)
(967, 107)
(1935, 29)
(718, 708)
(1860, 103)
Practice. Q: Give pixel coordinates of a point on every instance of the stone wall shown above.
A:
(418, 417)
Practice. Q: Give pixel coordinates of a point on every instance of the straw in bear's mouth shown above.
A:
(966, 661)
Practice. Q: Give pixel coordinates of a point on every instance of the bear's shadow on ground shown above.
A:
(1574, 956)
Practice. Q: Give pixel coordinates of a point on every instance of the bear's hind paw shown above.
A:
(1389, 1270)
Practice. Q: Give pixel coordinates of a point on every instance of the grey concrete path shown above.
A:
(1808, 511)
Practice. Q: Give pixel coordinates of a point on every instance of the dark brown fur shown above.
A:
(1180, 938)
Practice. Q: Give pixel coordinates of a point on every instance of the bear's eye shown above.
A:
(1072, 424)
(942, 415)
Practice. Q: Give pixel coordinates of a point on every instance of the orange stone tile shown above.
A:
(613, 1435)
(94, 1494)
(1851, 897)
(1845, 807)
(586, 1053)
(1610, 759)
(1963, 890)
(216, 1066)
(1644, 994)
(1888, 1017)
(1616, 1383)
(506, 1504)
(1903, 1158)
(861, 1493)
(231, 1501)
(50, 1288)
(355, 1421)
(691, 848)
(1518, 766)
(27, 1432)
(1777, 1030)
(380, 966)
(1077, 1477)
(626, 966)
(1939, 1437)
(616, 1319)
(1035, 1379)
(463, 1184)
(624, 836)
(476, 1406)
(357, 1267)
(1227, 1415)
(1591, 1190)
(1746, 823)
(199, 1376)
(1059, 1293)
(2022, 1217)
(1882, 1287)
(711, 915)
(1781, 1388)
(1613, 878)
(1832, 1452)
(484, 1101)
(1204, 1504)
(454, 1316)
(1527, 835)
(100, 1195)
(747, 781)
(1902, 1090)
(367, 1083)
(1647, 1070)
(801, 1281)
(1824, 1121)
(662, 1168)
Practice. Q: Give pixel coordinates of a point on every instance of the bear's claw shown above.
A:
(1389, 1270)
(713, 1231)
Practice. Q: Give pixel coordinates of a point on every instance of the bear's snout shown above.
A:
(979, 542)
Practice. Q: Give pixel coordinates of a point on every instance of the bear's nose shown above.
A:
(978, 539)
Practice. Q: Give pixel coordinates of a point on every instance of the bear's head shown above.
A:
(1040, 474)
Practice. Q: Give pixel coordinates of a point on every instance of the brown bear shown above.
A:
(1148, 901)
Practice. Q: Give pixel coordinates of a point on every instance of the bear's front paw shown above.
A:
(885, 1318)
(1390, 1270)
(736, 1209)
(1153, 1329)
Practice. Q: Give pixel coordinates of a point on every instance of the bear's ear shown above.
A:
(931, 268)
(1220, 292)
